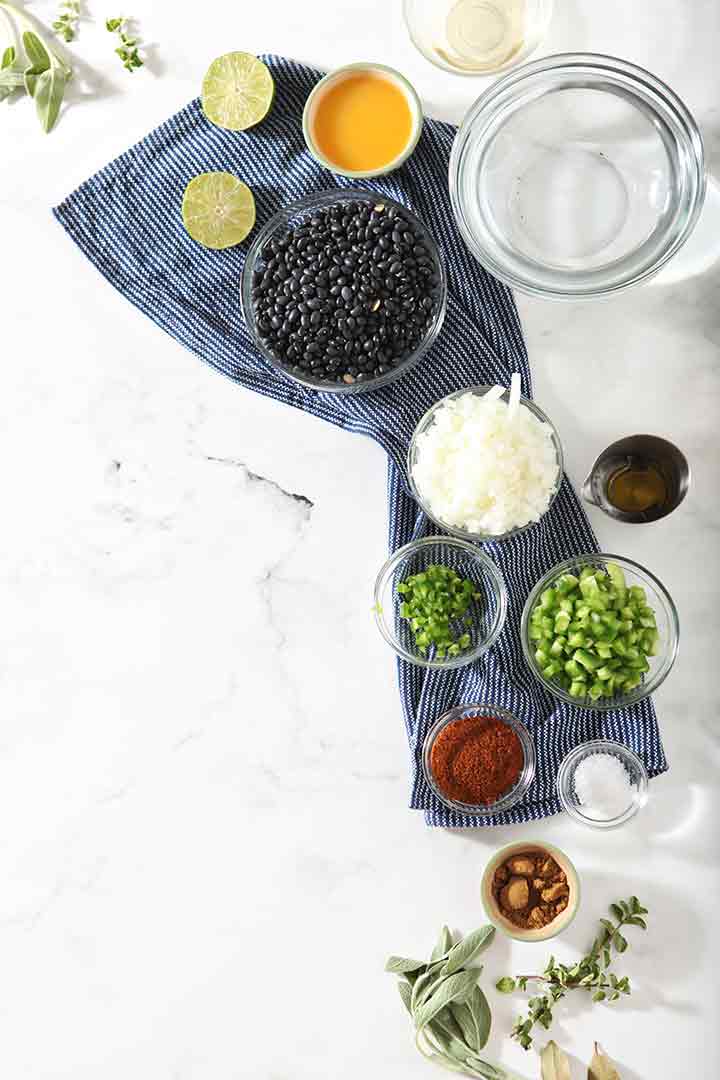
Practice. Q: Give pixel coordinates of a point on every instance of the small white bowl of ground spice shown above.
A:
(602, 784)
(530, 891)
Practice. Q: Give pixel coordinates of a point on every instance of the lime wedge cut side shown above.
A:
(218, 210)
(237, 91)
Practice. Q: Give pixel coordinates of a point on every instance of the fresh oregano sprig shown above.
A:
(36, 69)
(590, 974)
(65, 26)
(127, 50)
(451, 1013)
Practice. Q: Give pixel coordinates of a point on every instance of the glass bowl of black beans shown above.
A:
(344, 291)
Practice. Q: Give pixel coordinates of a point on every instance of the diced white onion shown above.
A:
(481, 469)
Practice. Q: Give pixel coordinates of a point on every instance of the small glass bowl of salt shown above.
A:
(602, 784)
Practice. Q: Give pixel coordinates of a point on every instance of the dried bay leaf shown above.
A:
(554, 1063)
(601, 1067)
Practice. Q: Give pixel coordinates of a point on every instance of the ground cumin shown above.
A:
(476, 759)
(530, 889)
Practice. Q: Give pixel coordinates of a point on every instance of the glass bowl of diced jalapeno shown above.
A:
(600, 631)
(440, 602)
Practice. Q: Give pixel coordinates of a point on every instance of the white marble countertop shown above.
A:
(203, 767)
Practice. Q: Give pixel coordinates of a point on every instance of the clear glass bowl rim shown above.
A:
(646, 688)
(562, 63)
(512, 797)
(461, 534)
(473, 552)
(528, 48)
(310, 202)
(567, 769)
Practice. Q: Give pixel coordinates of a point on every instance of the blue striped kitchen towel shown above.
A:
(127, 221)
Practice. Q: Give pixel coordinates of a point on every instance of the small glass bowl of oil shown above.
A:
(362, 120)
(476, 37)
(638, 479)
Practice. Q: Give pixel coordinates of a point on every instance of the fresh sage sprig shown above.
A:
(451, 1013)
(127, 50)
(590, 974)
(37, 69)
(65, 26)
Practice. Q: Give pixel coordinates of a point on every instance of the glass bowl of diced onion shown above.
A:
(600, 631)
(474, 625)
(486, 476)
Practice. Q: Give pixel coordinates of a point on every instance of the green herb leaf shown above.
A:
(601, 1067)
(400, 965)
(506, 985)
(49, 91)
(405, 992)
(37, 54)
(450, 989)
(8, 57)
(466, 950)
(554, 1063)
(480, 1009)
(444, 943)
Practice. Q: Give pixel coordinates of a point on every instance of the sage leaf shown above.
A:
(449, 1024)
(554, 1063)
(49, 92)
(463, 1017)
(11, 80)
(405, 993)
(432, 1048)
(400, 965)
(36, 52)
(505, 985)
(8, 57)
(443, 946)
(30, 78)
(450, 1044)
(480, 1009)
(450, 989)
(466, 950)
(424, 986)
(601, 1067)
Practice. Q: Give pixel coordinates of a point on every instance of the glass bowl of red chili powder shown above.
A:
(479, 759)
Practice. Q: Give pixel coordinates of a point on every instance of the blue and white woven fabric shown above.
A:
(127, 221)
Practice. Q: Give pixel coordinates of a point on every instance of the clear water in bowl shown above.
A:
(576, 177)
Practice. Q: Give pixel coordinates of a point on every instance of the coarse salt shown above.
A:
(603, 786)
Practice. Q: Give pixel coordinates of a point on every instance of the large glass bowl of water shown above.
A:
(577, 176)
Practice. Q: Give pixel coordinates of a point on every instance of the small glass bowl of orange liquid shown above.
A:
(362, 120)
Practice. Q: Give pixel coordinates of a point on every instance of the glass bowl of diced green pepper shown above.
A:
(440, 602)
(600, 631)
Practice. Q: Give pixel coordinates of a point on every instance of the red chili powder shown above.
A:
(476, 759)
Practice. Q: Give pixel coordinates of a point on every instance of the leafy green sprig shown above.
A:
(590, 974)
(449, 1010)
(34, 69)
(65, 26)
(127, 50)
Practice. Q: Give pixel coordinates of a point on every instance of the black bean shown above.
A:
(347, 293)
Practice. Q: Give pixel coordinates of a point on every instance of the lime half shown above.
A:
(218, 210)
(237, 91)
